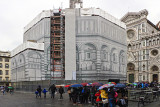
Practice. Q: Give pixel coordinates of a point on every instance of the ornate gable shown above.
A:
(133, 15)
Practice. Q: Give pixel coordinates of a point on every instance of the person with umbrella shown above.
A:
(112, 99)
(104, 96)
(11, 89)
(74, 95)
(98, 99)
(92, 93)
(69, 93)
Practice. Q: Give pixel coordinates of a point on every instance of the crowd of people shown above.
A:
(106, 97)
(7, 89)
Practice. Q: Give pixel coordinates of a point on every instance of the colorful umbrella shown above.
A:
(76, 85)
(67, 85)
(84, 84)
(89, 84)
(105, 86)
(120, 85)
(135, 84)
(111, 83)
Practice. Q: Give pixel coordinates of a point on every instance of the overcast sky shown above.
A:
(16, 14)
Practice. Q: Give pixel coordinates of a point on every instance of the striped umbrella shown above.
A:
(105, 86)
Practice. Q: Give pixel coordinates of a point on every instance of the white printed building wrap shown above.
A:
(27, 45)
(99, 12)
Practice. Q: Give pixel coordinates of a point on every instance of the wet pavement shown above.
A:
(22, 99)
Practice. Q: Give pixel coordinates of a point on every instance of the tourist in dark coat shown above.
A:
(39, 91)
(53, 89)
(61, 91)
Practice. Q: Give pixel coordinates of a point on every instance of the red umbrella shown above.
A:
(67, 85)
(84, 84)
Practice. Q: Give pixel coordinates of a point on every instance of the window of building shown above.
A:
(114, 57)
(143, 43)
(140, 77)
(7, 72)
(1, 72)
(143, 25)
(143, 52)
(143, 78)
(150, 43)
(143, 67)
(1, 65)
(1, 59)
(6, 65)
(154, 52)
(6, 59)
(7, 78)
(143, 30)
(0, 78)
(88, 55)
(143, 57)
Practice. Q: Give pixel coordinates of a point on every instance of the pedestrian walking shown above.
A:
(53, 89)
(11, 89)
(69, 93)
(61, 91)
(74, 96)
(36, 92)
(44, 92)
(39, 91)
(3, 90)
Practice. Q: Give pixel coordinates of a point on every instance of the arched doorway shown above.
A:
(155, 77)
(131, 78)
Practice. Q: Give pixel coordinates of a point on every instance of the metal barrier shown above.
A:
(143, 96)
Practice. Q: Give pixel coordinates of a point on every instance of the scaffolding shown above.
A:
(57, 45)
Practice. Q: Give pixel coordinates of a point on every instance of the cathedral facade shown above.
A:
(143, 40)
